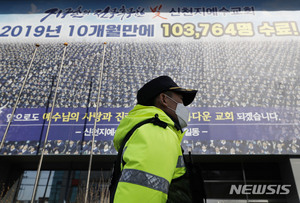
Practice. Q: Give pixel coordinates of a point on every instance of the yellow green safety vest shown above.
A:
(153, 157)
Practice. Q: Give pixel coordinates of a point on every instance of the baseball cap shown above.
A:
(161, 84)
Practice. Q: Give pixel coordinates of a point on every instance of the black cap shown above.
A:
(161, 84)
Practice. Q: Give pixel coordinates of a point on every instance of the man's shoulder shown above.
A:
(151, 131)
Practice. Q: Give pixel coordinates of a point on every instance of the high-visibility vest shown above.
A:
(152, 156)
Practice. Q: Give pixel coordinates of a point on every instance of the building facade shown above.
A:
(70, 71)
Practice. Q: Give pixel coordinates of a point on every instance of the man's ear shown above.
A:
(162, 99)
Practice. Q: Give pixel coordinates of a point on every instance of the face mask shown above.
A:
(182, 113)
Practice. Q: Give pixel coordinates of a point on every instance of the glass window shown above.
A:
(64, 186)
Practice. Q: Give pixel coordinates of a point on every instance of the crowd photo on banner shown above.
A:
(232, 74)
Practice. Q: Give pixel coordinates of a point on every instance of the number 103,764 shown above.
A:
(203, 29)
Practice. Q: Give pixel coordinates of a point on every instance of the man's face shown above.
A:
(172, 104)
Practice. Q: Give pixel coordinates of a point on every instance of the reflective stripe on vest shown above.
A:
(180, 162)
(145, 179)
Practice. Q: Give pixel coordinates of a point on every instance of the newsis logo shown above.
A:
(260, 189)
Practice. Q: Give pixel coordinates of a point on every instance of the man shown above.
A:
(71, 148)
(86, 148)
(59, 147)
(266, 148)
(224, 146)
(152, 161)
(105, 149)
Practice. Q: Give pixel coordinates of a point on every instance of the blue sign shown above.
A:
(204, 123)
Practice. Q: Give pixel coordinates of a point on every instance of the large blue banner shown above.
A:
(208, 128)
(204, 123)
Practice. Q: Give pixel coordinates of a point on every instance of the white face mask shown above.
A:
(182, 113)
